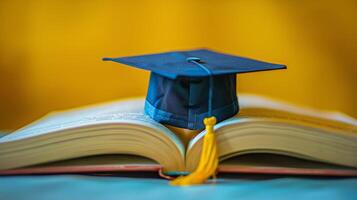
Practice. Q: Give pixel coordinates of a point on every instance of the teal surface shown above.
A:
(94, 187)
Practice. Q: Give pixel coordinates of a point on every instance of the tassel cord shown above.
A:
(209, 156)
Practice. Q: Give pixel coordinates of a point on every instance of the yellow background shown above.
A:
(50, 51)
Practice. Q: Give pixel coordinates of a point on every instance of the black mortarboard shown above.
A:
(187, 86)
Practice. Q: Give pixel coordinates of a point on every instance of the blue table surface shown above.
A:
(96, 187)
(145, 186)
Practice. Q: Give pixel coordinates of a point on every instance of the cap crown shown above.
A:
(182, 102)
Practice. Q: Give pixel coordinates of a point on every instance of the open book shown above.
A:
(267, 136)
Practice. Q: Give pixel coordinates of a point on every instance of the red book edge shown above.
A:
(90, 169)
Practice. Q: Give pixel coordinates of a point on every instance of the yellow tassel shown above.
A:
(208, 161)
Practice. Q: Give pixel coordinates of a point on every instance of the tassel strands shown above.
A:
(208, 160)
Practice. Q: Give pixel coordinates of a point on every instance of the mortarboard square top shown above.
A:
(174, 64)
(187, 86)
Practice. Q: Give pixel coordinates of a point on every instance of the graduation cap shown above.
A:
(194, 89)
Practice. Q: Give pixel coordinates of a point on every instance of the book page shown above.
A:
(267, 117)
(127, 111)
(253, 106)
(263, 106)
